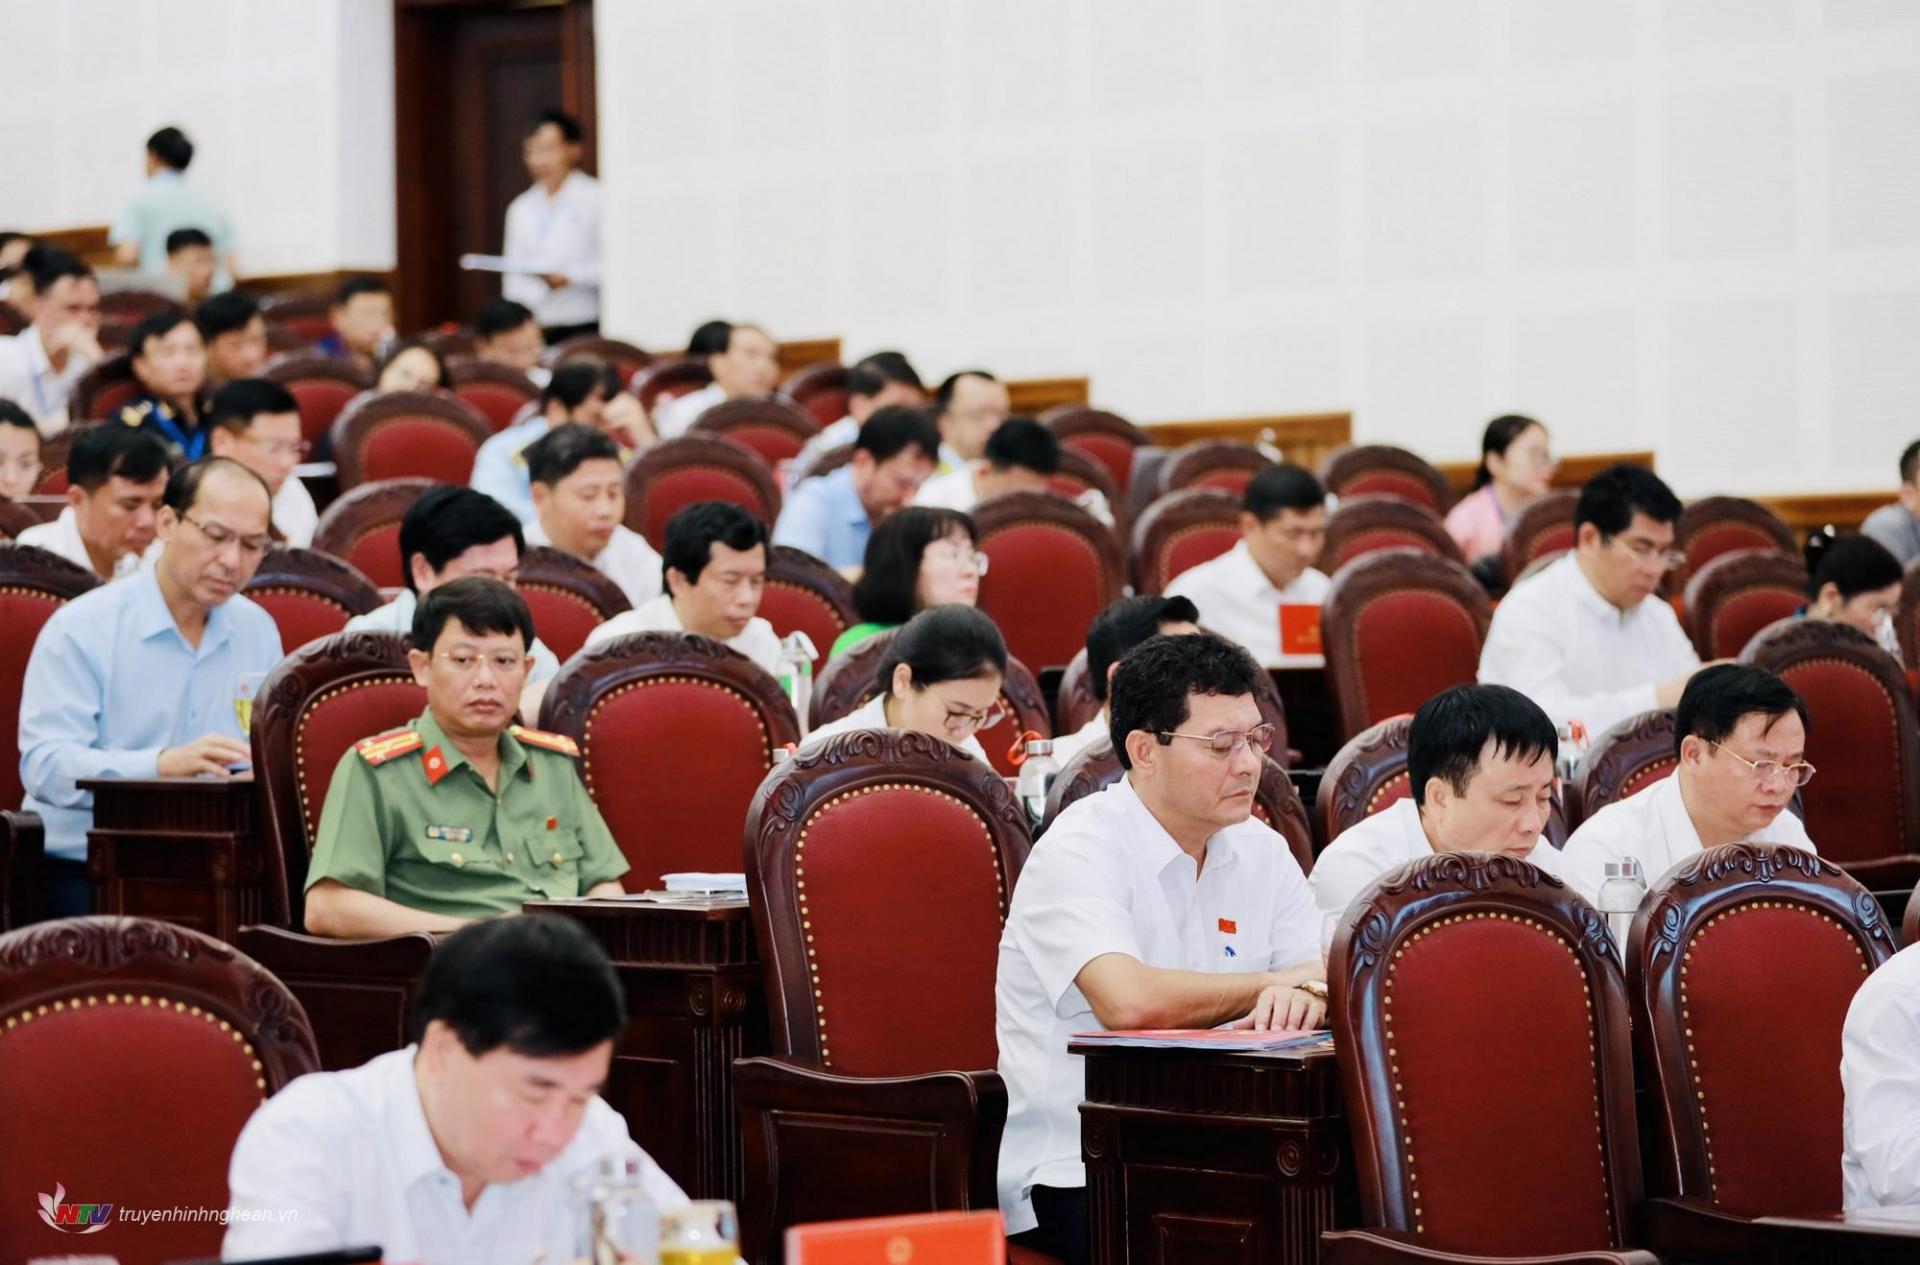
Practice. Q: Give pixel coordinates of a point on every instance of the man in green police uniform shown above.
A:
(461, 815)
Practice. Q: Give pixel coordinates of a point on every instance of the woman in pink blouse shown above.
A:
(1516, 466)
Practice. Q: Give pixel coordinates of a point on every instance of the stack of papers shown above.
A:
(1208, 1038)
(696, 881)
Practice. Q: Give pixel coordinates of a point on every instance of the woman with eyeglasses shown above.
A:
(918, 557)
(940, 676)
(1516, 467)
(1854, 580)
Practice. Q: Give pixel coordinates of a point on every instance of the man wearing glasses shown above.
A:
(1480, 771)
(135, 679)
(1741, 734)
(1589, 638)
(1157, 903)
(257, 423)
(462, 814)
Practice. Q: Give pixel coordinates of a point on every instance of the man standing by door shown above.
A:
(556, 225)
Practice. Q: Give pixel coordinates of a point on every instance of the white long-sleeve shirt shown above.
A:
(1577, 655)
(561, 233)
(1880, 1154)
(1653, 827)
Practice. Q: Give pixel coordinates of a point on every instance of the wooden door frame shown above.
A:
(423, 249)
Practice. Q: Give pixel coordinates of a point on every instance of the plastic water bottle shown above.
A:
(797, 654)
(619, 1224)
(1620, 896)
(1037, 772)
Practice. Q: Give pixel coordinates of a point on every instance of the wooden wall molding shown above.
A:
(1573, 472)
(1845, 511)
(1305, 438)
(1034, 396)
(802, 352)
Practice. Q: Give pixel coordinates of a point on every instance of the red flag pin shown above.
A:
(1229, 927)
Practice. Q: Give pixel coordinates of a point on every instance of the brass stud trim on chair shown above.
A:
(29, 1013)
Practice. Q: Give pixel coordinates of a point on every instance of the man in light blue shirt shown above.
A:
(832, 515)
(165, 203)
(136, 679)
(452, 532)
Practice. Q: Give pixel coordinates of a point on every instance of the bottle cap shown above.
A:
(1625, 868)
(1039, 746)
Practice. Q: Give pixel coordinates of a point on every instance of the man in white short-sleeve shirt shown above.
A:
(1880, 1155)
(463, 1148)
(1742, 738)
(1480, 762)
(579, 500)
(1157, 903)
(1283, 528)
(1590, 638)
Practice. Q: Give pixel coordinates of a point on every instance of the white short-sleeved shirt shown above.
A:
(1652, 826)
(561, 232)
(62, 536)
(1880, 1155)
(1070, 745)
(758, 641)
(28, 378)
(294, 514)
(628, 560)
(675, 417)
(1108, 878)
(1367, 849)
(1556, 640)
(1236, 600)
(351, 1154)
(873, 715)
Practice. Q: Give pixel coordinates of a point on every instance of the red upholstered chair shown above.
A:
(773, 428)
(1399, 626)
(362, 528)
(851, 680)
(1179, 531)
(121, 310)
(1054, 567)
(1864, 806)
(171, 1039)
(1080, 474)
(1276, 802)
(404, 435)
(1365, 523)
(1715, 525)
(312, 708)
(623, 356)
(1219, 464)
(1366, 775)
(54, 452)
(806, 595)
(1107, 437)
(880, 1096)
(33, 585)
(669, 377)
(496, 392)
(703, 722)
(321, 385)
(12, 321)
(451, 343)
(1906, 620)
(569, 597)
(304, 314)
(1384, 470)
(16, 518)
(1733, 597)
(103, 390)
(1542, 529)
(1469, 961)
(1705, 959)
(675, 473)
(309, 593)
(1625, 760)
(819, 390)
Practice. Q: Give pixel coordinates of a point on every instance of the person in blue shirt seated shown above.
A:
(831, 516)
(170, 360)
(136, 679)
(577, 391)
(362, 317)
(167, 202)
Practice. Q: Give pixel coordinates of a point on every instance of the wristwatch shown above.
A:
(1313, 988)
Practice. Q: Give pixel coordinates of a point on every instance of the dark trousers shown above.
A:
(1062, 1232)
(560, 333)
(65, 891)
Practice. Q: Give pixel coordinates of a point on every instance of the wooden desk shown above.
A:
(1311, 729)
(1860, 1238)
(1205, 1155)
(695, 1004)
(183, 850)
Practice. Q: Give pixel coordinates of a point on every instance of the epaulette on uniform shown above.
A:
(546, 741)
(381, 748)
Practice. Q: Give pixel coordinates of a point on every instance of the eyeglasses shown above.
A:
(961, 720)
(220, 537)
(1227, 742)
(1645, 552)
(959, 557)
(1764, 770)
(465, 662)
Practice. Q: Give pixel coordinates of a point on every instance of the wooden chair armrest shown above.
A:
(1389, 1247)
(283, 951)
(23, 845)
